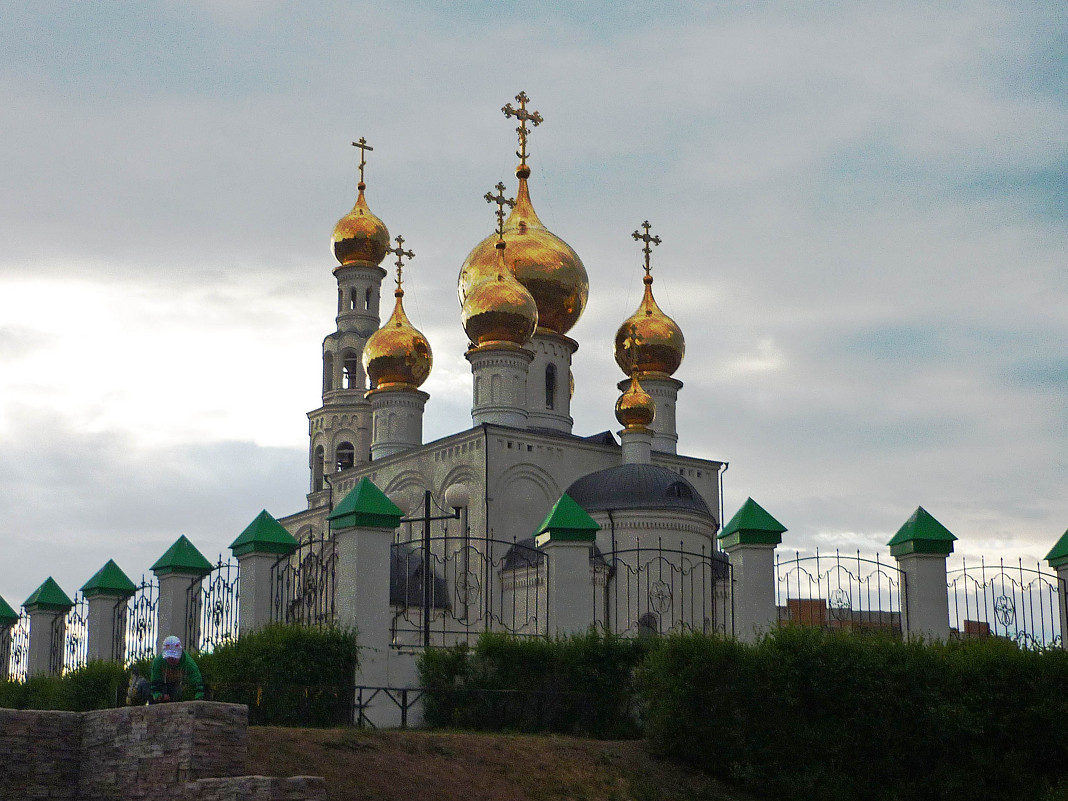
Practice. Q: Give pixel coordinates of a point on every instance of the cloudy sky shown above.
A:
(863, 210)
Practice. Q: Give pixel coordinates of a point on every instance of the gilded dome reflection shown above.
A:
(360, 236)
(397, 356)
(649, 340)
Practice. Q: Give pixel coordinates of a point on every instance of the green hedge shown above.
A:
(809, 715)
(581, 684)
(287, 675)
(98, 685)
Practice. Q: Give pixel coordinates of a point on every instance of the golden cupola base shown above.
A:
(635, 410)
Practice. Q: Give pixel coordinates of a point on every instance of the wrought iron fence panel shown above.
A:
(17, 645)
(657, 589)
(1011, 601)
(448, 589)
(75, 652)
(840, 592)
(137, 622)
(304, 584)
(212, 607)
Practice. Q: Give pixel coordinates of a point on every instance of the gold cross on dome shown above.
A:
(501, 202)
(401, 255)
(647, 240)
(522, 115)
(364, 147)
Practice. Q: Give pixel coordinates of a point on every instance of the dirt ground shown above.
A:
(460, 766)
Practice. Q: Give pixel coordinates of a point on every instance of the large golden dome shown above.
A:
(541, 261)
(397, 356)
(635, 408)
(649, 340)
(360, 236)
(499, 309)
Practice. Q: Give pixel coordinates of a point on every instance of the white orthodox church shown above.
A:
(521, 290)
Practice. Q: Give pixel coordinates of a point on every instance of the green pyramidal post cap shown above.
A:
(922, 534)
(566, 521)
(1058, 556)
(182, 557)
(365, 507)
(48, 596)
(264, 535)
(751, 525)
(109, 580)
(7, 614)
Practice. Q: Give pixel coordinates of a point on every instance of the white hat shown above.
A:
(172, 648)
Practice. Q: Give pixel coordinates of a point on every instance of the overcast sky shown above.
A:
(863, 210)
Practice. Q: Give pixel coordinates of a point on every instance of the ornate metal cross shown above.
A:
(522, 115)
(501, 202)
(364, 147)
(647, 240)
(401, 255)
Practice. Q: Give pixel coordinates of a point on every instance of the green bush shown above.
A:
(810, 715)
(582, 684)
(97, 685)
(287, 675)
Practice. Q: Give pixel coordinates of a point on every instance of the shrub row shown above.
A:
(809, 715)
(287, 675)
(582, 684)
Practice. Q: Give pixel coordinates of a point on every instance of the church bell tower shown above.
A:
(340, 429)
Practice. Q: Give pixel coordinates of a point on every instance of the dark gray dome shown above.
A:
(637, 486)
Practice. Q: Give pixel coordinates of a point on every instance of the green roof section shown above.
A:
(182, 557)
(922, 534)
(751, 525)
(264, 535)
(1058, 556)
(567, 521)
(365, 507)
(8, 616)
(109, 580)
(48, 596)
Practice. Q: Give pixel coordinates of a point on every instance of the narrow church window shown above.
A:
(550, 386)
(328, 372)
(317, 469)
(346, 456)
(367, 299)
(352, 371)
(340, 300)
(352, 300)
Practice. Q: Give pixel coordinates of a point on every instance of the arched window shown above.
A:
(317, 469)
(352, 299)
(353, 379)
(550, 386)
(367, 299)
(679, 490)
(328, 372)
(346, 456)
(340, 300)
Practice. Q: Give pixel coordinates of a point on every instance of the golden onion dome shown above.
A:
(649, 340)
(541, 261)
(499, 309)
(635, 408)
(360, 236)
(397, 356)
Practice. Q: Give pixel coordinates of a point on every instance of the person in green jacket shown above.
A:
(171, 669)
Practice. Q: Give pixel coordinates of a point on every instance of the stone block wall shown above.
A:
(132, 753)
(194, 751)
(40, 754)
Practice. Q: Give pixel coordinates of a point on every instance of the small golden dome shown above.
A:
(360, 236)
(635, 408)
(499, 309)
(397, 356)
(542, 262)
(649, 340)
